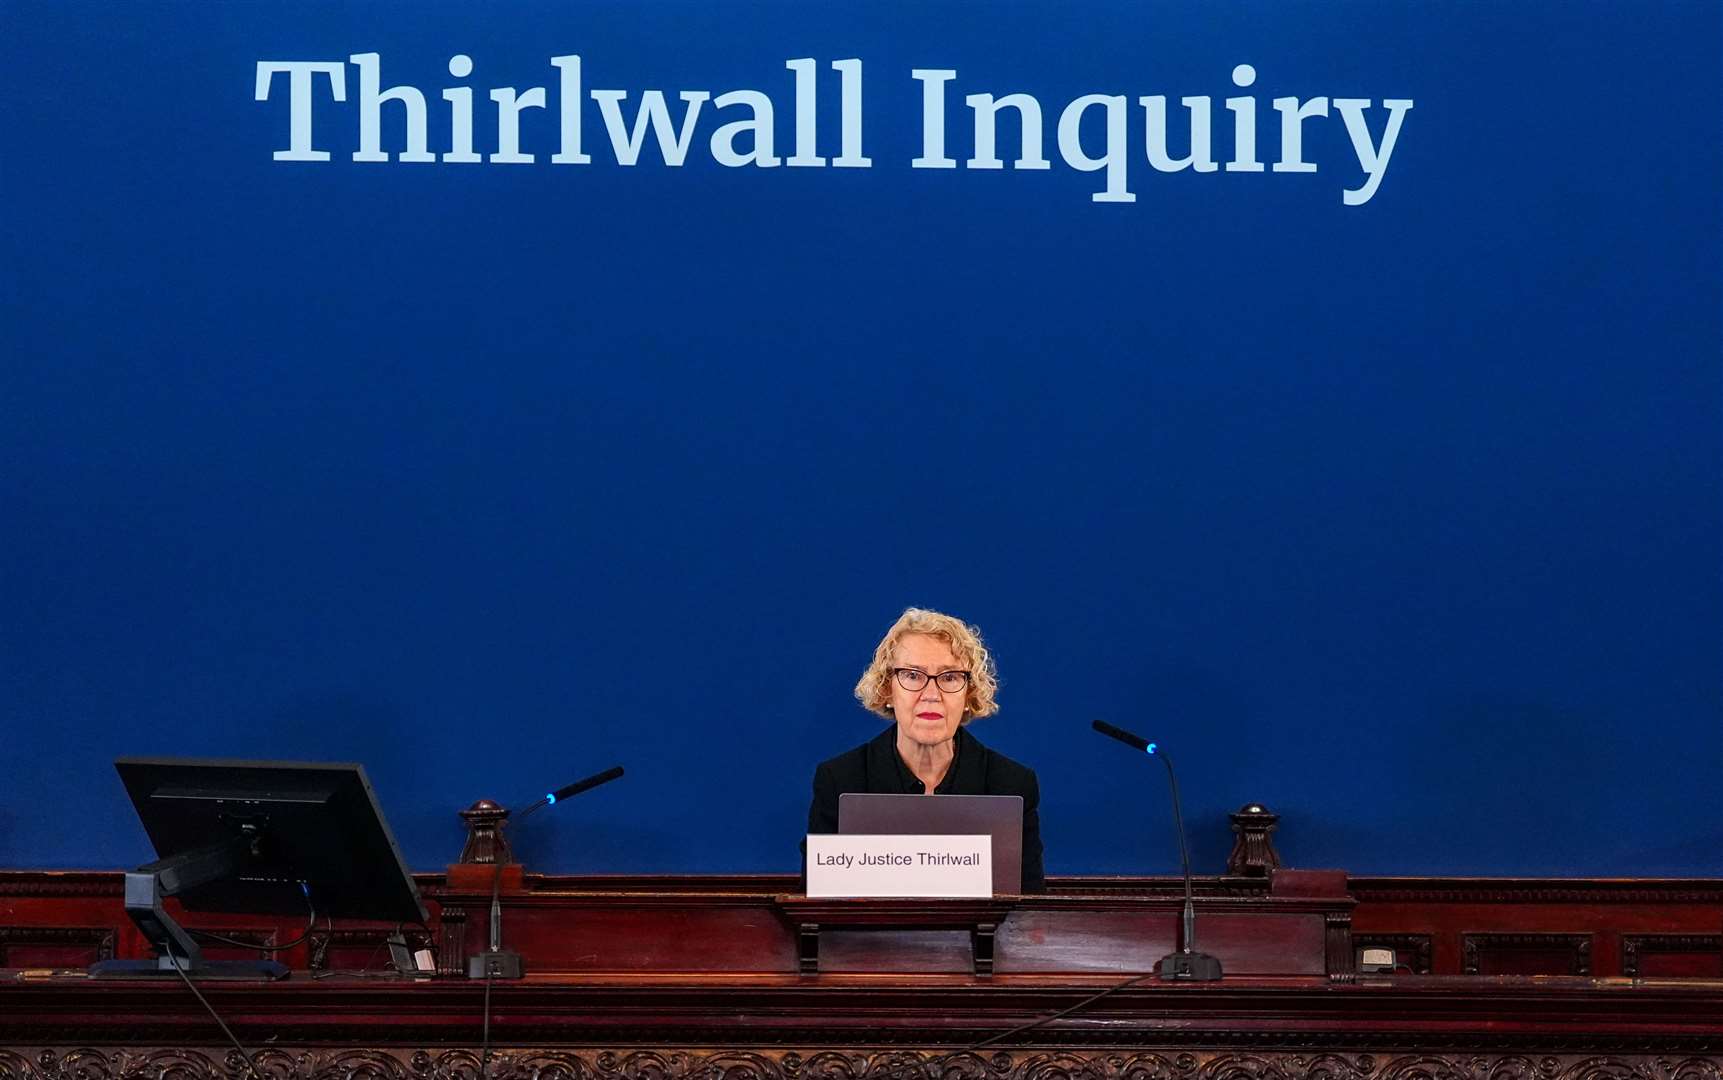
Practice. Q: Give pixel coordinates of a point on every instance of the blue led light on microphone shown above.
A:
(562, 794)
(1185, 963)
(497, 962)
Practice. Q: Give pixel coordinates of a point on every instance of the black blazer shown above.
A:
(875, 768)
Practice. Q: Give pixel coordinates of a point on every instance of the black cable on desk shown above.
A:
(250, 1063)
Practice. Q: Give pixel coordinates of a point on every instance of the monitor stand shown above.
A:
(176, 952)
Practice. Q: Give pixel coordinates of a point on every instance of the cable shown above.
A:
(363, 969)
(485, 1052)
(310, 925)
(1032, 1025)
(173, 961)
(940, 1061)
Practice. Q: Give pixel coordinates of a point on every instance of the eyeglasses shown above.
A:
(913, 679)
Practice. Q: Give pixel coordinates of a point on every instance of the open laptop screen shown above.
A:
(998, 816)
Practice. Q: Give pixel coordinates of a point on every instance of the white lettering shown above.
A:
(1200, 159)
(568, 111)
(672, 143)
(850, 98)
(933, 82)
(1244, 124)
(746, 135)
(807, 118)
(758, 124)
(371, 100)
(299, 73)
(1029, 119)
(1071, 144)
(1373, 160)
(509, 105)
(460, 99)
(1292, 117)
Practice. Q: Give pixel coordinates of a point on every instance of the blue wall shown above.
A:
(1403, 518)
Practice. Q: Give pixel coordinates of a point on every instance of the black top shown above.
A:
(875, 768)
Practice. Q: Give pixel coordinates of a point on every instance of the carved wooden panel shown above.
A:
(55, 946)
(730, 923)
(255, 940)
(452, 941)
(1541, 891)
(1672, 955)
(1526, 954)
(562, 1063)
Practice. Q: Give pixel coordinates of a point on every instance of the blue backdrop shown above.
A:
(1403, 518)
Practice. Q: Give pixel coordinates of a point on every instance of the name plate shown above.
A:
(934, 866)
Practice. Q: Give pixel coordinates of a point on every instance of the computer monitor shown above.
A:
(268, 837)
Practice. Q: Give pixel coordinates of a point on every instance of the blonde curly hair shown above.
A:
(874, 688)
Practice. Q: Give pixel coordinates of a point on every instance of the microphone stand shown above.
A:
(497, 962)
(1184, 964)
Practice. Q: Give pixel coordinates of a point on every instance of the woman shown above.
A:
(932, 675)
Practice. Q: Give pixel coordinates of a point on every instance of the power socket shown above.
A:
(1376, 961)
(500, 964)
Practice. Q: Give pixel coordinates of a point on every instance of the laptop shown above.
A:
(998, 816)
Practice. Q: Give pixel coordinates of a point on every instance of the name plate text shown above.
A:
(933, 866)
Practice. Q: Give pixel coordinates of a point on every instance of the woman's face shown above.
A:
(928, 716)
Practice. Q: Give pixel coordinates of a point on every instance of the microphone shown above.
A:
(1135, 742)
(497, 962)
(569, 792)
(1186, 964)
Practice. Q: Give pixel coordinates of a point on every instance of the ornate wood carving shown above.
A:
(1411, 951)
(1634, 947)
(1414, 890)
(1253, 853)
(452, 942)
(1513, 951)
(1337, 946)
(14, 940)
(1230, 887)
(486, 842)
(870, 1012)
(727, 923)
(182, 1062)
